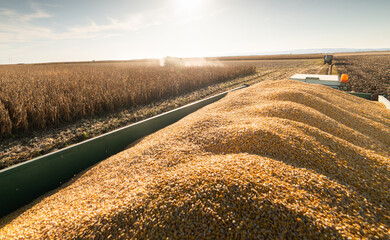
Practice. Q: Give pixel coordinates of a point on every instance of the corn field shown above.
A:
(38, 96)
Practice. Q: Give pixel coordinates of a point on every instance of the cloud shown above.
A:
(17, 27)
(131, 23)
(16, 17)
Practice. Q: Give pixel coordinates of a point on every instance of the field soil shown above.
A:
(367, 73)
(25, 146)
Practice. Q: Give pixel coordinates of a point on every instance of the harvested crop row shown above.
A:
(281, 159)
(38, 96)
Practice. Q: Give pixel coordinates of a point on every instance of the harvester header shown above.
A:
(328, 80)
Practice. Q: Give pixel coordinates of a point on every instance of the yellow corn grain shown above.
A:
(281, 159)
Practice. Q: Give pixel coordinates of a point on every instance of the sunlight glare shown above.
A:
(187, 6)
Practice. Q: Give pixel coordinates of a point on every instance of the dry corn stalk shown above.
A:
(37, 96)
(281, 159)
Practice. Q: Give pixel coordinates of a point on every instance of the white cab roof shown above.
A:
(303, 77)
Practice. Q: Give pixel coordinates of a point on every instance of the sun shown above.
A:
(187, 6)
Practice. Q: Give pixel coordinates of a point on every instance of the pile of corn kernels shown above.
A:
(280, 159)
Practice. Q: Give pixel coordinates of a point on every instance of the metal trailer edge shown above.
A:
(22, 183)
(384, 100)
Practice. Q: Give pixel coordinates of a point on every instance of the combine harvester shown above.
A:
(332, 81)
(339, 83)
(22, 183)
(328, 59)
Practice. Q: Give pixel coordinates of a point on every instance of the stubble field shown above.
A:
(368, 73)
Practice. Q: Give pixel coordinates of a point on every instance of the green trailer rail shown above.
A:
(24, 182)
(362, 95)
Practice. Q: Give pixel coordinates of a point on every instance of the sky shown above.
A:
(85, 30)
